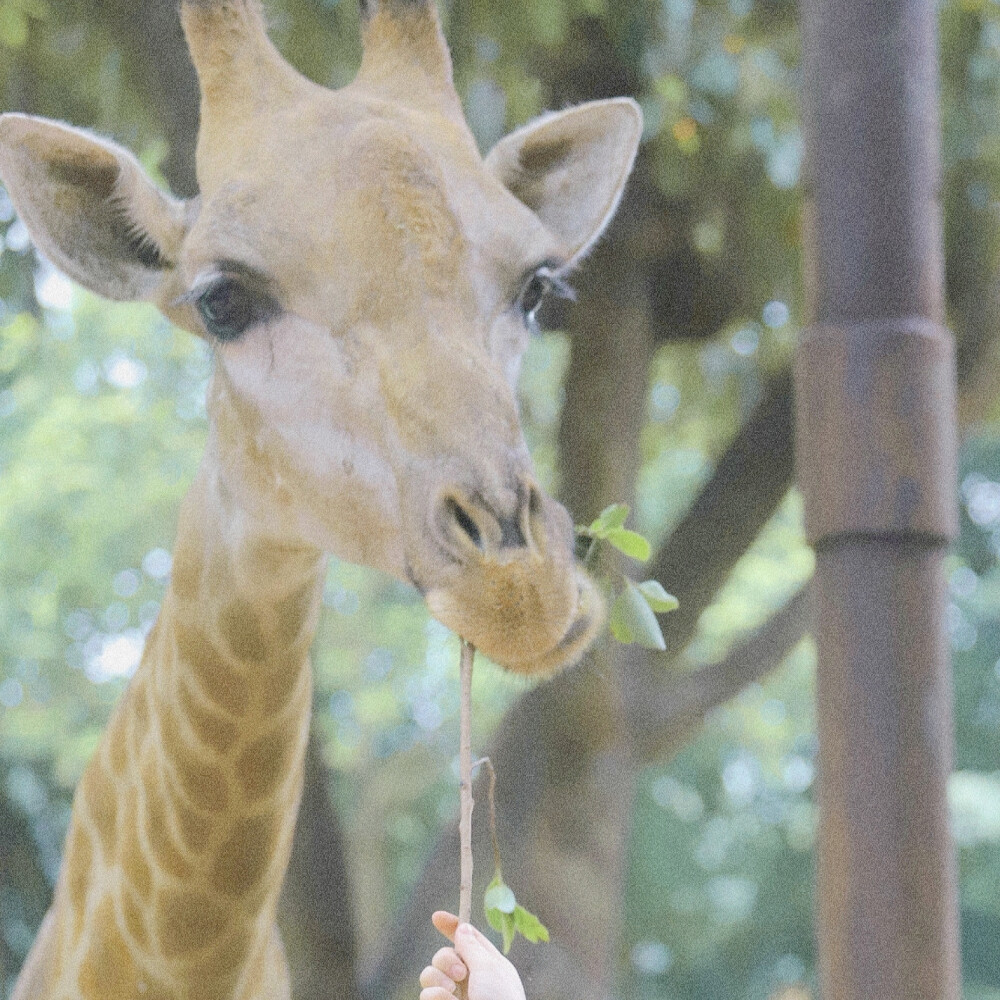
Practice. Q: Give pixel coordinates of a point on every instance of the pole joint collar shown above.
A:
(875, 412)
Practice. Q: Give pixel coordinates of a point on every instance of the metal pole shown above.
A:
(876, 459)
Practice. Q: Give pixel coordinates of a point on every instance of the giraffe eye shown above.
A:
(534, 291)
(539, 283)
(229, 307)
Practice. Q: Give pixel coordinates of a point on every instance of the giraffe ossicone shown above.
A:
(364, 277)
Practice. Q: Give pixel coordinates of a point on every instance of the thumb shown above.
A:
(472, 947)
(446, 923)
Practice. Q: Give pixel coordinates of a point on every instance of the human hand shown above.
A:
(490, 976)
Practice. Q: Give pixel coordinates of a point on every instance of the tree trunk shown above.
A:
(875, 386)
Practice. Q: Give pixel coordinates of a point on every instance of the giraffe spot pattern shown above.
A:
(188, 921)
(185, 574)
(269, 559)
(165, 852)
(134, 866)
(202, 782)
(278, 686)
(140, 708)
(242, 861)
(100, 796)
(293, 614)
(117, 739)
(135, 733)
(264, 763)
(109, 970)
(219, 971)
(216, 732)
(135, 919)
(79, 858)
(196, 830)
(226, 687)
(242, 632)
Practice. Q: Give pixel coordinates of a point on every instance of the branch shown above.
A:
(749, 482)
(519, 742)
(663, 717)
(465, 767)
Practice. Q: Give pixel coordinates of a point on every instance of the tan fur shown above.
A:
(370, 413)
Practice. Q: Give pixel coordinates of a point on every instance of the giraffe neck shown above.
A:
(183, 824)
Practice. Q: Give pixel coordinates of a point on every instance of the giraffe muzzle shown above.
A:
(512, 586)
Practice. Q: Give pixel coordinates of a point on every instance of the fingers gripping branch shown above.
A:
(473, 966)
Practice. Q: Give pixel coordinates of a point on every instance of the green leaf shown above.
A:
(529, 925)
(630, 542)
(657, 598)
(499, 904)
(610, 518)
(505, 916)
(504, 923)
(632, 619)
(499, 897)
(619, 620)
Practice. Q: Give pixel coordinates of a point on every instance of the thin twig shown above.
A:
(497, 867)
(465, 770)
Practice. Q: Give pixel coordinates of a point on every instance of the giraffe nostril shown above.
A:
(461, 517)
(533, 519)
(471, 526)
(534, 500)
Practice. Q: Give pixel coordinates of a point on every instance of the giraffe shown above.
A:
(367, 281)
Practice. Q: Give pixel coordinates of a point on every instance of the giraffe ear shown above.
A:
(570, 167)
(90, 208)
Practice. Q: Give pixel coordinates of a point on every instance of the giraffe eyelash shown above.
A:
(560, 286)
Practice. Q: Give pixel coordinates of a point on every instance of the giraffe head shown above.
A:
(367, 281)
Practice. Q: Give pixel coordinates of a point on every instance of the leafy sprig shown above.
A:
(610, 527)
(635, 605)
(633, 619)
(503, 911)
(508, 917)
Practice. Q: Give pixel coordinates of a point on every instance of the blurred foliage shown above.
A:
(102, 419)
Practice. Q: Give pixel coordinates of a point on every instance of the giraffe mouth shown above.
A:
(580, 635)
(577, 630)
(515, 626)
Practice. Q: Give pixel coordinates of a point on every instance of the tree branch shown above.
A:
(749, 482)
(663, 717)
